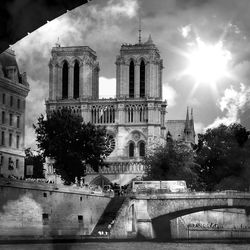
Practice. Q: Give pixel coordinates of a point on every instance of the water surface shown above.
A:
(127, 246)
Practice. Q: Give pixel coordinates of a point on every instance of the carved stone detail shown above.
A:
(136, 136)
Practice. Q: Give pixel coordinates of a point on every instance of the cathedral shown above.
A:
(135, 119)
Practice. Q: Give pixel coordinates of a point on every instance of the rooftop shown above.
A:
(73, 49)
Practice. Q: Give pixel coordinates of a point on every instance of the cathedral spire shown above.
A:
(192, 122)
(139, 30)
(150, 41)
(192, 118)
(187, 127)
(58, 43)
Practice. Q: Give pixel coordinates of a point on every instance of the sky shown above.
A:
(179, 28)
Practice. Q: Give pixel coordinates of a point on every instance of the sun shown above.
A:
(208, 63)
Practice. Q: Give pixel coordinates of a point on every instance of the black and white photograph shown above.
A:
(125, 124)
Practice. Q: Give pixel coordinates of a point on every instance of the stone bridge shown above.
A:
(149, 216)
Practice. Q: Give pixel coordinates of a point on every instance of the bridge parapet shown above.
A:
(192, 195)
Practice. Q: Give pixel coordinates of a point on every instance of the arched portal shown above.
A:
(101, 181)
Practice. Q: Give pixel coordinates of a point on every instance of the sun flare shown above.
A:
(208, 63)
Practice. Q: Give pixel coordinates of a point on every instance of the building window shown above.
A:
(11, 164)
(11, 101)
(45, 195)
(65, 80)
(3, 138)
(131, 79)
(76, 80)
(17, 163)
(131, 149)
(11, 119)
(3, 117)
(18, 103)
(80, 219)
(45, 219)
(3, 98)
(1, 160)
(18, 121)
(142, 79)
(10, 139)
(17, 141)
(130, 113)
(142, 149)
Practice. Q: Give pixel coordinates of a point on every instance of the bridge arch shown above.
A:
(161, 225)
(29, 16)
(154, 212)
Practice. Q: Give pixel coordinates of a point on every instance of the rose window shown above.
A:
(110, 144)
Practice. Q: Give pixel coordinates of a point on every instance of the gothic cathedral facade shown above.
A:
(135, 118)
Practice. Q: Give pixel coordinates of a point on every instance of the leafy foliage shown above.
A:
(72, 143)
(223, 154)
(174, 161)
(36, 160)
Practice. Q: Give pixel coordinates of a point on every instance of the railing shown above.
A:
(165, 194)
(75, 188)
(119, 168)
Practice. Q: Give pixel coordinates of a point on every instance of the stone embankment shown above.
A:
(41, 210)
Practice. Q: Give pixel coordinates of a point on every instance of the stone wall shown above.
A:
(44, 210)
(120, 229)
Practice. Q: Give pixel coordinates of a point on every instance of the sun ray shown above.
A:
(208, 63)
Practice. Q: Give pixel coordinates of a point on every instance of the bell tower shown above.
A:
(141, 110)
(139, 71)
(73, 73)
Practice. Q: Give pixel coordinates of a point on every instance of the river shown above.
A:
(127, 245)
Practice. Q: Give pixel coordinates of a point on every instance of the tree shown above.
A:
(36, 160)
(72, 143)
(223, 154)
(174, 161)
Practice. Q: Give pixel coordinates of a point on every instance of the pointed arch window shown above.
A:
(142, 149)
(76, 79)
(65, 80)
(142, 79)
(131, 149)
(131, 79)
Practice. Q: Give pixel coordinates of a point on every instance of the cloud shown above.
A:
(233, 99)
(194, 102)
(124, 7)
(30, 137)
(35, 105)
(233, 103)
(93, 25)
(185, 30)
(107, 87)
(169, 94)
(199, 127)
